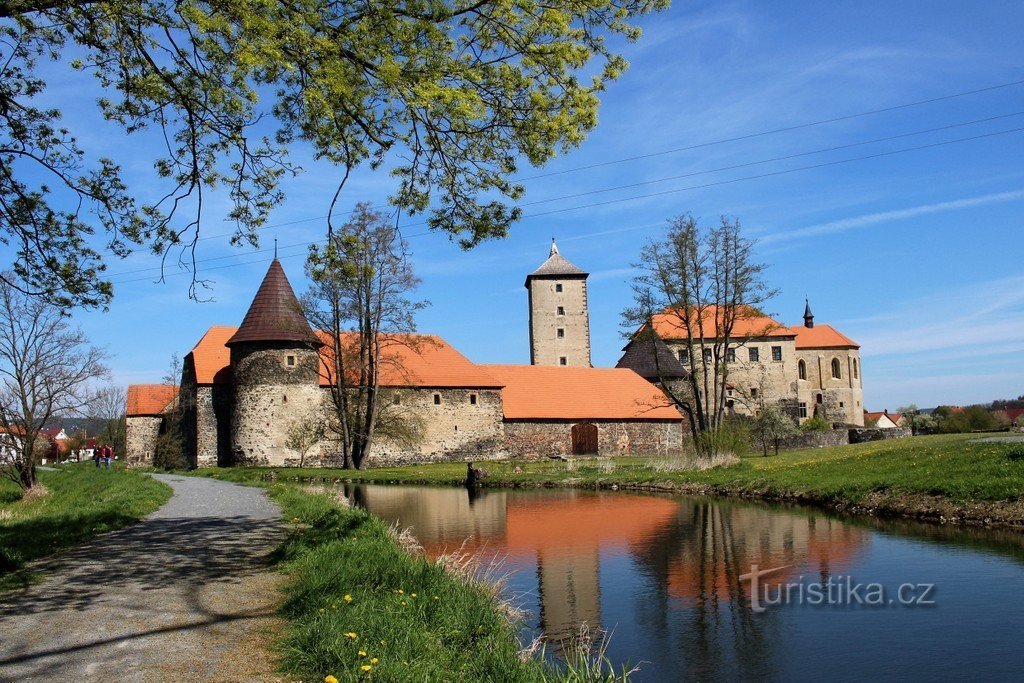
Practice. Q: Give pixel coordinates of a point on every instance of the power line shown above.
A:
(700, 145)
(774, 131)
(826, 164)
(151, 269)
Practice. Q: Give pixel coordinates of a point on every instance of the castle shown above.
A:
(244, 390)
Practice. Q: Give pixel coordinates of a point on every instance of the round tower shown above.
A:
(275, 365)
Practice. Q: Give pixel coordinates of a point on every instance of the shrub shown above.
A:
(1015, 453)
(816, 424)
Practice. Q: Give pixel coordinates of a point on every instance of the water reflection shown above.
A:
(664, 573)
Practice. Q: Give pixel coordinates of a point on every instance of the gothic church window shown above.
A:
(801, 370)
(837, 370)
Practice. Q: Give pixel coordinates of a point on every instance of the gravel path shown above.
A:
(184, 595)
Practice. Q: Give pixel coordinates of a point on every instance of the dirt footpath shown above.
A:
(187, 594)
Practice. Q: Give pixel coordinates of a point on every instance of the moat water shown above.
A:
(849, 600)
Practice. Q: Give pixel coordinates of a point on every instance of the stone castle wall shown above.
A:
(546, 347)
(276, 388)
(140, 439)
(842, 398)
(542, 439)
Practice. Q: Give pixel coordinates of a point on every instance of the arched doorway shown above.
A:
(584, 439)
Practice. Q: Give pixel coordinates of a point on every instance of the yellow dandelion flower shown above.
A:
(401, 592)
(348, 598)
(374, 660)
(413, 595)
(330, 679)
(436, 598)
(366, 667)
(362, 653)
(351, 635)
(402, 603)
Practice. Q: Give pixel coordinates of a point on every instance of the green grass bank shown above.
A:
(943, 478)
(360, 607)
(80, 502)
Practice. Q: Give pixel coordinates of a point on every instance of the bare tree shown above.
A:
(46, 368)
(109, 407)
(362, 282)
(701, 285)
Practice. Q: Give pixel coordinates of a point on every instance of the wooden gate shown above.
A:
(584, 438)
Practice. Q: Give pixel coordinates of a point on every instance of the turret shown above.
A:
(559, 316)
(275, 364)
(808, 316)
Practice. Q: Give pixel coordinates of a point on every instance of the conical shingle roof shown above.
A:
(556, 266)
(275, 314)
(652, 361)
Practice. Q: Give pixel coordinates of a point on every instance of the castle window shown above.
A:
(855, 373)
(837, 370)
(684, 356)
(472, 399)
(561, 310)
(753, 392)
(803, 410)
(561, 333)
(437, 399)
(289, 361)
(776, 353)
(285, 399)
(840, 404)
(558, 287)
(801, 370)
(730, 355)
(562, 360)
(755, 354)
(397, 400)
(730, 404)
(818, 399)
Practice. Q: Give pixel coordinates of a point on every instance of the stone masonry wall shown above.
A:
(529, 439)
(546, 347)
(862, 435)
(140, 440)
(814, 439)
(276, 387)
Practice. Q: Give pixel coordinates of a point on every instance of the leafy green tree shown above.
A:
(815, 424)
(453, 95)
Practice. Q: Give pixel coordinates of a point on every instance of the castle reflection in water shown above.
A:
(688, 552)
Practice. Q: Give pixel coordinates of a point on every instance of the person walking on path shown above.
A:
(97, 455)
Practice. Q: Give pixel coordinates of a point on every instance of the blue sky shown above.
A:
(919, 256)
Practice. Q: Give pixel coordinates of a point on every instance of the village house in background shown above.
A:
(246, 390)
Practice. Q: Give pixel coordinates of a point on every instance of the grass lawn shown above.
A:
(83, 501)
(359, 607)
(948, 466)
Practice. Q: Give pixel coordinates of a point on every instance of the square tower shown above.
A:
(559, 316)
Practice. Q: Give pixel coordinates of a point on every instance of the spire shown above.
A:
(275, 314)
(556, 267)
(808, 316)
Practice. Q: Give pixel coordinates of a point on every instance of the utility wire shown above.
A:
(657, 180)
(826, 164)
(700, 145)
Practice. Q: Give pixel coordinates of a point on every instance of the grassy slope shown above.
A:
(82, 502)
(419, 622)
(947, 466)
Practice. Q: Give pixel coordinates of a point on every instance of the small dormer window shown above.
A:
(558, 287)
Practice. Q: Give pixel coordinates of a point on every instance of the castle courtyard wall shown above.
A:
(542, 439)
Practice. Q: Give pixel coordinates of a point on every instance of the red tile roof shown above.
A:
(149, 399)
(409, 360)
(749, 323)
(571, 393)
(821, 337)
